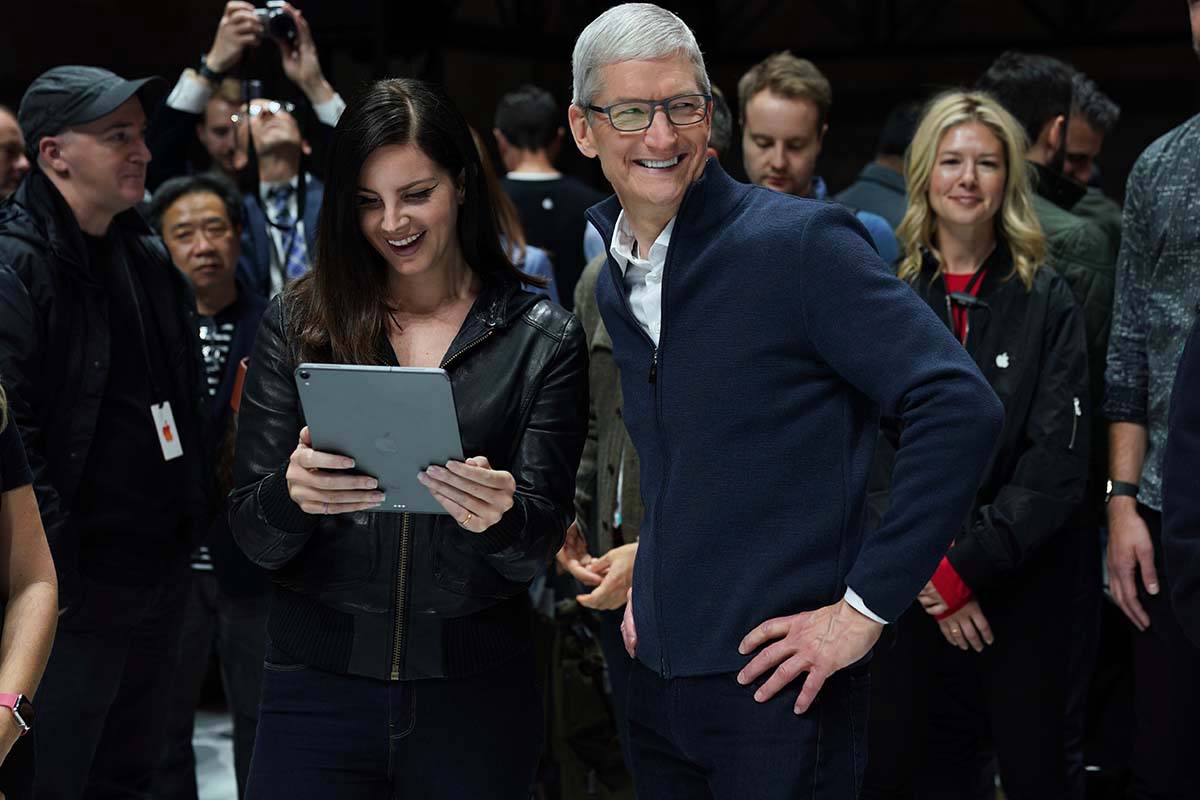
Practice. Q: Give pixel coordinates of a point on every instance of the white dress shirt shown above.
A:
(643, 285)
(191, 93)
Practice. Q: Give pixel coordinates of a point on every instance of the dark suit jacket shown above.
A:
(254, 268)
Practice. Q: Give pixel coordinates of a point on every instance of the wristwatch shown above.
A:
(21, 708)
(208, 73)
(1120, 489)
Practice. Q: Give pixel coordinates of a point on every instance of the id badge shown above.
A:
(168, 435)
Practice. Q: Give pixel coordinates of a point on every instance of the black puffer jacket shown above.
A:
(54, 354)
(1032, 348)
(402, 596)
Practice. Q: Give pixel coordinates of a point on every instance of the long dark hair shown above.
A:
(338, 311)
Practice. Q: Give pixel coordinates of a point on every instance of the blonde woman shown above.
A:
(29, 595)
(982, 656)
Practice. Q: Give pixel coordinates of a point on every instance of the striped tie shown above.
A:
(295, 249)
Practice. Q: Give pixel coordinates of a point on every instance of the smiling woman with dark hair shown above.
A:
(401, 650)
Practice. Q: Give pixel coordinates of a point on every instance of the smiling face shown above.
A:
(105, 160)
(966, 187)
(650, 170)
(408, 210)
(203, 243)
(781, 139)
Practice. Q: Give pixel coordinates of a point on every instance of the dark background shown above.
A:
(875, 52)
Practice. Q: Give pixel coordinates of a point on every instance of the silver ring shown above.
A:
(956, 630)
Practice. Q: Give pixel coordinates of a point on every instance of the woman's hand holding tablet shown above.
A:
(471, 491)
(316, 486)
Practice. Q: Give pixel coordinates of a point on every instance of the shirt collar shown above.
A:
(623, 241)
(264, 189)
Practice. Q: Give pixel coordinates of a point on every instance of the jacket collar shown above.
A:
(54, 224)
(707, 203)
(998, 265)
(876, 173)
(1057, 188)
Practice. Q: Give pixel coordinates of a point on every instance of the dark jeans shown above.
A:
(237, 628)
(940, 713)
(705, 737)
(325, 736)
(1166, 693)
(619, 665)
(1085, 643)
(103, 701)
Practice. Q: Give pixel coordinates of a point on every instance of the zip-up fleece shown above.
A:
(783, 336)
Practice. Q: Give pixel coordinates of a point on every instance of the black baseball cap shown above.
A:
(71, 95)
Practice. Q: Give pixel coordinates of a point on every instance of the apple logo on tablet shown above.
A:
(386, 444)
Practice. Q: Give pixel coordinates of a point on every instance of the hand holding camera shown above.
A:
(240, 27)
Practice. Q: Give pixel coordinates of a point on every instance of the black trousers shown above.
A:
(705, 738)
(102, 703)
(237, 628)
(323, 736)
(1166, 694)
(619, 665)
(939, 713)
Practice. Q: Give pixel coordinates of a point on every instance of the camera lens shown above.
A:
(304, 374)
(280, 25)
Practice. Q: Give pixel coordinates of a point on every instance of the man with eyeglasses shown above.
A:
(281, 211)
(758, 336)
(200, 218)
(205, 99)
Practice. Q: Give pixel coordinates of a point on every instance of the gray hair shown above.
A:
(631, 32)
(1092, 104)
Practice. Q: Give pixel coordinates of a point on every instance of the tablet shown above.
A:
(393, 421)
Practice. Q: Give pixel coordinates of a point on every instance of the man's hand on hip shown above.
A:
(818, 642)
(1130, 549)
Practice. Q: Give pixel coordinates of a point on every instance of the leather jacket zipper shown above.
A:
(1075, 422)
(455, 355)
(401, 607)
(405, 546)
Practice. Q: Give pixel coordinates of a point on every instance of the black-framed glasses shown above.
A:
(273, 107)
(638, 115)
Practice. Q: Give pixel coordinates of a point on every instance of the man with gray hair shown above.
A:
(754, 409)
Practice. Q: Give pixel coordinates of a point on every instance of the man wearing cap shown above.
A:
(103, 372)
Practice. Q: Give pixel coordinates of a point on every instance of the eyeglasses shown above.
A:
(272, 108)
(638, 115)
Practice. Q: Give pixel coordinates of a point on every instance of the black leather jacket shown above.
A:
(403, 596)
(54, 353)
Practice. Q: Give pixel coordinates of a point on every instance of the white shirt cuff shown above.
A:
(331, 110)
(191, 93)
(858, 605)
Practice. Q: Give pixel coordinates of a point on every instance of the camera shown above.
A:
(278, 22)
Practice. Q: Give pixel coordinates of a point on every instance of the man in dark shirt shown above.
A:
(551, 204)
(200, 218)
(103, 374)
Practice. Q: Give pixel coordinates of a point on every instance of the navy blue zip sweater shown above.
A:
(783, 338)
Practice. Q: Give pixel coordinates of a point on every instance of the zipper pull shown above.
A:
(1078, 408)
(654, 367)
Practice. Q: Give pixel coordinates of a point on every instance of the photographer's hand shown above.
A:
(301, 63)
(239, 28)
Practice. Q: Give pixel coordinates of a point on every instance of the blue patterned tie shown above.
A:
(295, 249)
